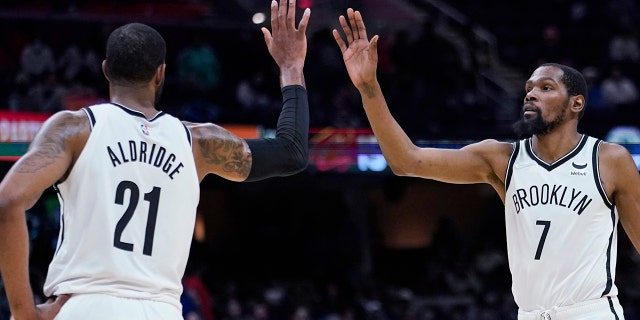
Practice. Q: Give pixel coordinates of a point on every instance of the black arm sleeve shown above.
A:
(288, 152)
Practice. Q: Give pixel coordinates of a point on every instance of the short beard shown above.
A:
(525, 128)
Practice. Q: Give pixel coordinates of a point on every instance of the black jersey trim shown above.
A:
(559, 162)
(92, 117)
(613, 309)
(188, 135)
(609, 285)
(138, 113)
(596, 174)
(512, 160)
(62, 226)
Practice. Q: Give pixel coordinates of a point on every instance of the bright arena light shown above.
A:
(258, 18)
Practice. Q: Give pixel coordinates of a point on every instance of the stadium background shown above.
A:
(345, 239)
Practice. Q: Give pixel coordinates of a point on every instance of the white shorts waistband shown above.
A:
(598, 309)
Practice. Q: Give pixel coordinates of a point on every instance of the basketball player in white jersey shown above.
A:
(128, 176)
(564, 192)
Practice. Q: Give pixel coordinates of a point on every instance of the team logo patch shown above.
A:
(145, 129)
(579, 166)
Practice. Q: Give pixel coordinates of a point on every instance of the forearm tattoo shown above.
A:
(225, 150)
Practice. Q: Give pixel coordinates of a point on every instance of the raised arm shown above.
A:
(287, 43)
(621, 181)
(220, 152)
(48, 160)
(482, 162)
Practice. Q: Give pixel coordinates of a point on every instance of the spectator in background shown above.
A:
(233, 310)
(325, 74)
(620, 92)
(195, 293)
(301, 313)
(594, 87)
(198, 65)
(79, 70)
(260, 311)
(78, 62)
(199, 74)
(46, 95)
(253, 94)
(624, 46)
(37, 59)
(19, 99)
(602, 115)
(70, 63)
(552, 49)
(624, 50)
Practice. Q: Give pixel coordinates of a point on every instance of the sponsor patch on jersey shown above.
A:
(145, 129)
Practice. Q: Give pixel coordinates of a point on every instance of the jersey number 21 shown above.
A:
(153, 198)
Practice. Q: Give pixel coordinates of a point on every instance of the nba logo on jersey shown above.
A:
(545, 316)
(145, 129)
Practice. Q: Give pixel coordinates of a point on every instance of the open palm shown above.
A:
(359, 54)
(286, 43)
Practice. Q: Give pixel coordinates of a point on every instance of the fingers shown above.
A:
(274, 15)
(291, 14)
(373, 48)
(359, 22)
(346, 29)
(282, 15)
(339, 41)
(354, 29)
(354, 25)
(62, 299)
(267, 36)
(304, 22)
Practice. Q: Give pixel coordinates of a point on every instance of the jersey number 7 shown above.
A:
(543, 237)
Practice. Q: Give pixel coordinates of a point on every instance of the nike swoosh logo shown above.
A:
(579, 166)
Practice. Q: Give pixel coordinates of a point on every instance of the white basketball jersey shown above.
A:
(127, 209)
(561, 228)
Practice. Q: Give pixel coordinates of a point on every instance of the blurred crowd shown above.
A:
(227, 75)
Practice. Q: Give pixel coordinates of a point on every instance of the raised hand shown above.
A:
(286, 43)
(360, 55)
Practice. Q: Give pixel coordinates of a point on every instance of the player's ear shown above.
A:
(577, 103)
(104, 69)
(159, 76)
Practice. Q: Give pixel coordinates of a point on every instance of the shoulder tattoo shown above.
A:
(52, 141)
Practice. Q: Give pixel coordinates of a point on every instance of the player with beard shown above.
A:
(564, 192)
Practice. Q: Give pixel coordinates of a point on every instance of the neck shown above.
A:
(554, 145)
(139, 98)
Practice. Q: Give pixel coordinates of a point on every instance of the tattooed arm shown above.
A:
(49, 159)
(218, 151)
